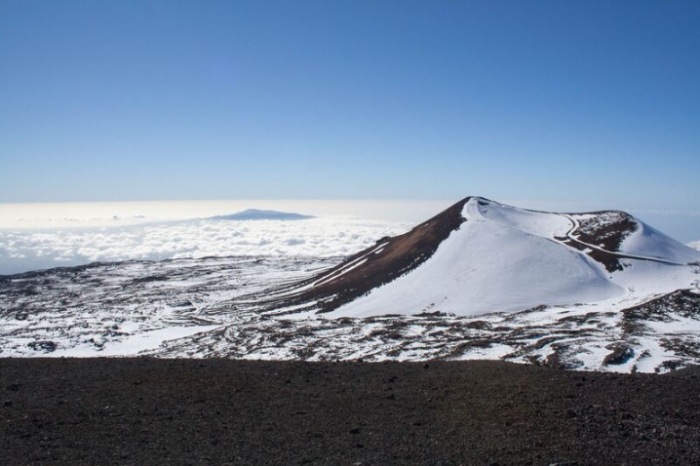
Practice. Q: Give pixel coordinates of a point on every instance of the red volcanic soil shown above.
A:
(146, 411)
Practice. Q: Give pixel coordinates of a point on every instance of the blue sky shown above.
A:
(151, 100)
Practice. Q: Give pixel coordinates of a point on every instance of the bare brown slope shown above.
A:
(387, 260)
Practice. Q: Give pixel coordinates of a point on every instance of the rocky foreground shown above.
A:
(149, 411)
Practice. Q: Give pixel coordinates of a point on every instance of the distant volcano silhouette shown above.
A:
(255, 214)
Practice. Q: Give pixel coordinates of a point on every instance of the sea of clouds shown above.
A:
(695, 244)
(24, 250)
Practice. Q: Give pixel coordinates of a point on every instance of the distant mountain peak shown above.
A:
(256, 214)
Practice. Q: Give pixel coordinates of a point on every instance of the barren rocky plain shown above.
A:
(136, 411)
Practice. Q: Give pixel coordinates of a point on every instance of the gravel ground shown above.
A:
(145, 411)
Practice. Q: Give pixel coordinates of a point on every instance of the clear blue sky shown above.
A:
(141, 100)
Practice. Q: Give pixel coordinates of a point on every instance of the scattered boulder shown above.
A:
(46, 346)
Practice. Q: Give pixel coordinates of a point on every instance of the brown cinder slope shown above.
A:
(387, 260)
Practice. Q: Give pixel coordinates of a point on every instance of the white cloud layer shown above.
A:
(695, 244)
(23, 250)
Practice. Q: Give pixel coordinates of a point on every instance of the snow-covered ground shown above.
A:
(508, 284)
(202, 308)
(127, 307)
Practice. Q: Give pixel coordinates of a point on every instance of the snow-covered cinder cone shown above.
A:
(480, 256)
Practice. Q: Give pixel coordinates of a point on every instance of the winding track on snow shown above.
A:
(575, 226)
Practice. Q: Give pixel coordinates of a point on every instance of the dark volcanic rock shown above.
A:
(620, 355)
(607, 229)
(682, 303)
(45, 346)
(145, 411)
